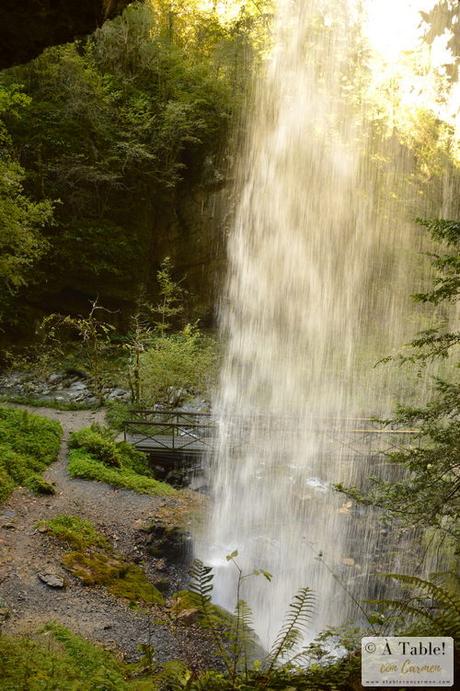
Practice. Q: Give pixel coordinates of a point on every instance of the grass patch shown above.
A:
(76, 532)
(94, 455)
(28, 444)
(57, 659)
(94, 561)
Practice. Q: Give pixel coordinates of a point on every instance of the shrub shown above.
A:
(98, 444)
(83, 465)
(28, 444)
(39, 485)
(187, 360)
(95, 455)
(56, 658)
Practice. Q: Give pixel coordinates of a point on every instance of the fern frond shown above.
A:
(442, 595)
(201, 580)
(445, 613)
(297, 619)
(173, 676)
(242, 634)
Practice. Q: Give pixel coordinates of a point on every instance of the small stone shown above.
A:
(52, 580)
(9, 526)
(42, 529)
(160, 565)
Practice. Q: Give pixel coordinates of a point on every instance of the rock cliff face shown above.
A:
(27, 27)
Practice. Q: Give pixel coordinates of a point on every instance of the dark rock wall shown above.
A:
(27, 27)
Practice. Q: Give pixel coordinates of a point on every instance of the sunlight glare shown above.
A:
(409, 74)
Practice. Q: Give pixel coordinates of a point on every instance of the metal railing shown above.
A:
(170, 431)
(180, 430)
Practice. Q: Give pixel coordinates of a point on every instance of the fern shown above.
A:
(201, 581)
(291, 634)
(174, 676)
(444, 613)
(201, 586)
(242, 635)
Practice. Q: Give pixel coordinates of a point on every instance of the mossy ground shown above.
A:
(94, 562)
(56, 659)
(94, 455)
(28, 444)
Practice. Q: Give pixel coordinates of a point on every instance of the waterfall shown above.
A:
(320, 264)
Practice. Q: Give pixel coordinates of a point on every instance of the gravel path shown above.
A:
(90, 611)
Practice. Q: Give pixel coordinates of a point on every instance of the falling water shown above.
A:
(317, 292)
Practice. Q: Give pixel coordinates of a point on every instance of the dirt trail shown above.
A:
(90, 611)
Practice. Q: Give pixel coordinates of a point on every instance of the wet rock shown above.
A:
(52, 580)
(78, 386)
(55, 378)
(172, 544)
(65, 387)
(118, 395)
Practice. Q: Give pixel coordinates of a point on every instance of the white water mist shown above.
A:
(317, 291)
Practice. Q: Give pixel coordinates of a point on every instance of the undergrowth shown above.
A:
(94, 562)
(94, 455)
(56, 659)
(28, 444)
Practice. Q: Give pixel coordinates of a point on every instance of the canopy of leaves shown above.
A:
(122, 131)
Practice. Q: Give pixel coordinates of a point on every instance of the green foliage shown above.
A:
(21, 219)
(171, 298)
(124, 130)
(117, 413)
(187, 360)
(235, 641)
(163, 363)
(430, 608)
(94, 344)
(426, 494)
(94, 455)
(99, 444)
(429, 494)
(56, 658)
(75, 531)
(28, 444)
(94, 562)
(291, 635)
(83, 465)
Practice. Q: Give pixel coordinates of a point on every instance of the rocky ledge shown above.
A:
(71, 386)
